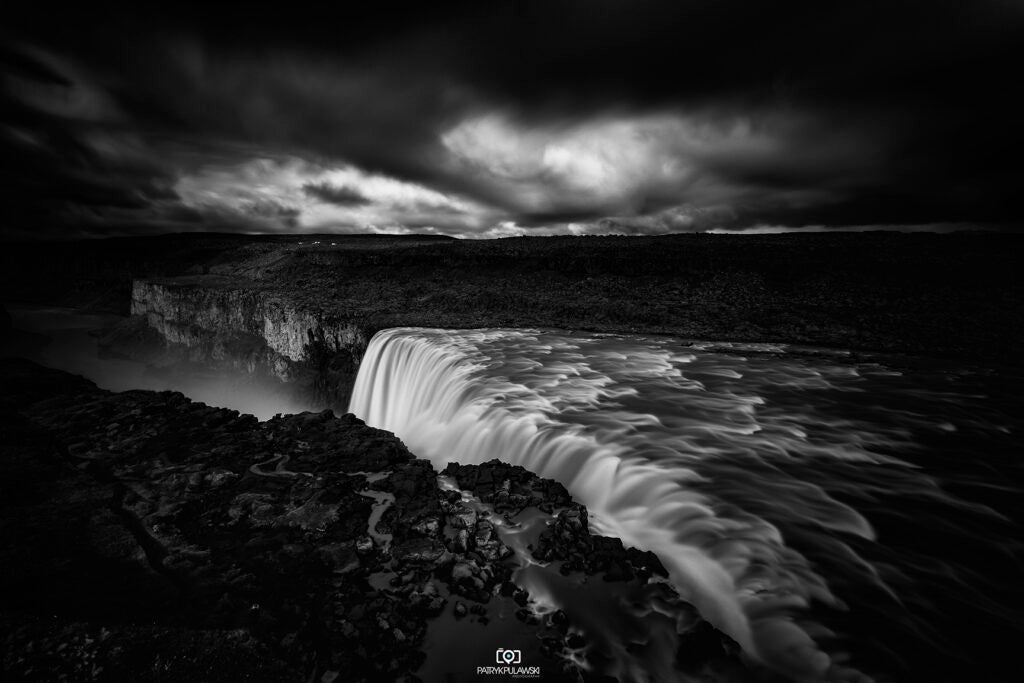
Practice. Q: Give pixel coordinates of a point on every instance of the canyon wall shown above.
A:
(245, 327)
(940, 295)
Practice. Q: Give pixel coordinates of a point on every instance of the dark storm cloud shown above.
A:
(576, 116)
(66, 155)
(265, 208)
(342, 196)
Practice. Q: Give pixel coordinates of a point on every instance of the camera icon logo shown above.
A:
(503, 656)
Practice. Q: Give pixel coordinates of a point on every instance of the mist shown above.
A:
(66, 339)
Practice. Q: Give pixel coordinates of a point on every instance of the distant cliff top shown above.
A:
(935, 294)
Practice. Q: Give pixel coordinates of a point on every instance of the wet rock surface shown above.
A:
(511, 489)
(148, 537)
(568, 544)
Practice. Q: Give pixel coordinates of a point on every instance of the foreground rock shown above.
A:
(148, 537)
(568, 543)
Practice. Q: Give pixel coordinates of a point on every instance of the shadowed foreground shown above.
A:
(146, 536)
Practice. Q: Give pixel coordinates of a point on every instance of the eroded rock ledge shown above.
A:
(148, 537)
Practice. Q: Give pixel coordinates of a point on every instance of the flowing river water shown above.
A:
(837, 516)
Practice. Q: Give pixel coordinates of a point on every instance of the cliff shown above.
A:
(187, 312)
(221, 322)
(951, 295)
(148, 537)
(301, 309)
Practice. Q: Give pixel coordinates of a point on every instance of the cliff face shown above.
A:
(948, 295)
(241, 325)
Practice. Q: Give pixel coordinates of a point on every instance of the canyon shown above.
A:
(301, 313)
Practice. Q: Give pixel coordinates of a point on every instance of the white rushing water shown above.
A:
(688, 452)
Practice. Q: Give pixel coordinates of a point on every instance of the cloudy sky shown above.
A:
(484, 119)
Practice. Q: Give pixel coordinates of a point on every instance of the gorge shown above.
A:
(814, 503)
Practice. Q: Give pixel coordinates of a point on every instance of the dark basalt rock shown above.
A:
(568, 539)
(144, 537)
(144, 509)
(421, 551)
(509, 488)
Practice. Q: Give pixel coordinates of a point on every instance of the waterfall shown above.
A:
(580, 410)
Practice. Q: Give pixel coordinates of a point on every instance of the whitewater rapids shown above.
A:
(680, 450)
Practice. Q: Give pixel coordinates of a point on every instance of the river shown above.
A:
(838, 515)
(841, 516)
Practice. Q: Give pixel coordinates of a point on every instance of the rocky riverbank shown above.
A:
(148, 537)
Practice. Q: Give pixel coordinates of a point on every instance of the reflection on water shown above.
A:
(834, 517)
(63, 339)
